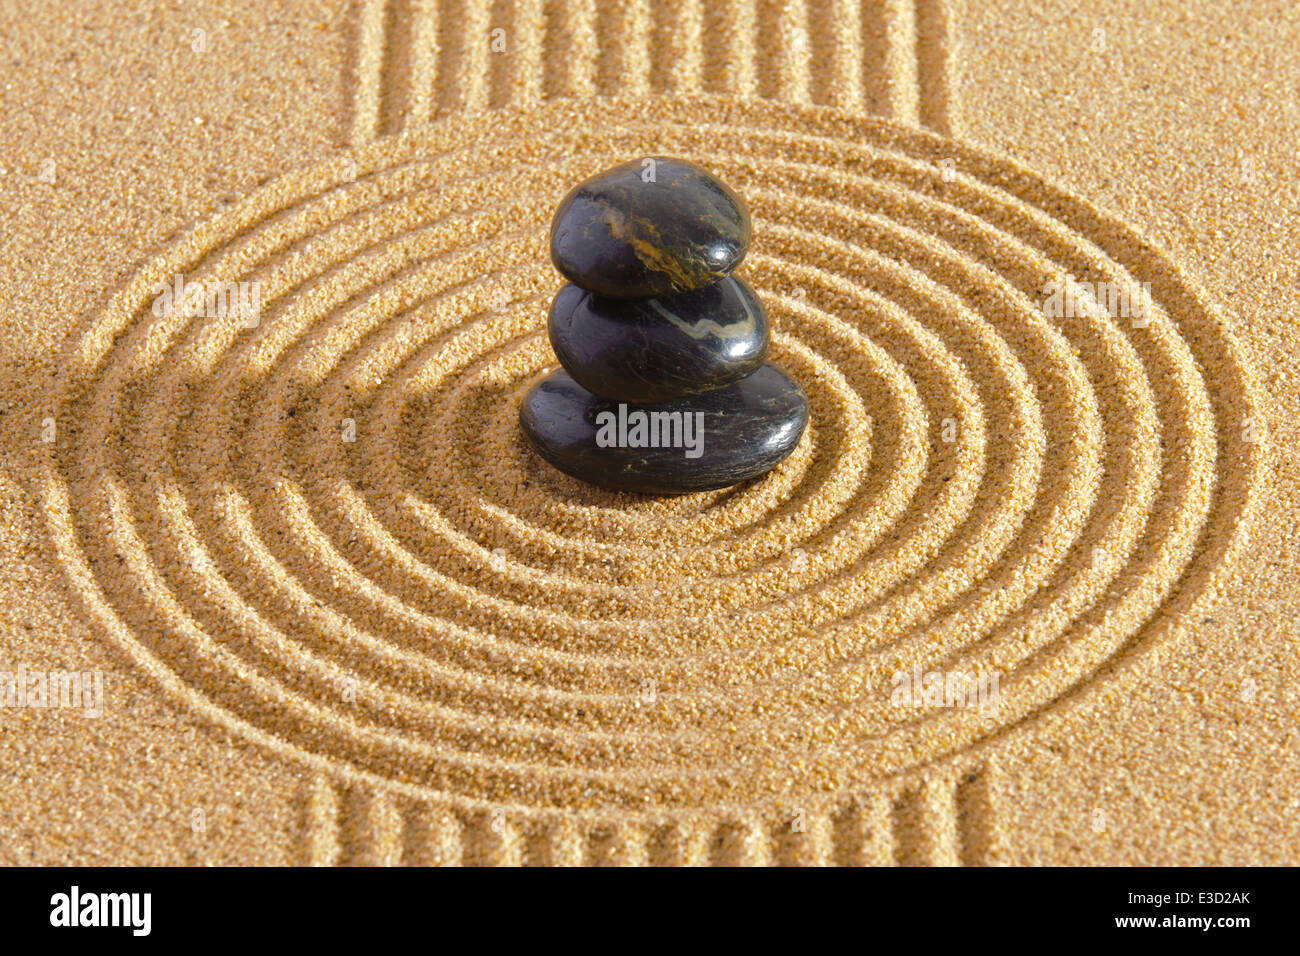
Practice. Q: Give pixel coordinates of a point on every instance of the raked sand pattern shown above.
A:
(419, 59)
(325, 532)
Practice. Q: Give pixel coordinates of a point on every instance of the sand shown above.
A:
(342, 614)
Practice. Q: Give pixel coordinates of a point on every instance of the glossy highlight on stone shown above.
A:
(649, 227)
(655, 350)
(696, 443)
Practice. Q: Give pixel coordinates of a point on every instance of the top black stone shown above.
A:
(649, 227)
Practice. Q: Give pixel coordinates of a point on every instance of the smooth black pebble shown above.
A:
(620, 235)
(655, 350)
(748, 428)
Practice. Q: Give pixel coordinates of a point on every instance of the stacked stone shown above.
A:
(663, 389)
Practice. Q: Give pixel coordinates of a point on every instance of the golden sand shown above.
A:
(344, 613)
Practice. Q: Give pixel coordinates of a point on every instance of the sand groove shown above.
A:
(920, 824)
(420, 59)
(325, 533)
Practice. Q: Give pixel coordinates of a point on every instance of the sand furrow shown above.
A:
(930, 823)
(938, 64)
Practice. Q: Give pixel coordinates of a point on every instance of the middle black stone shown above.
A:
(658, 349)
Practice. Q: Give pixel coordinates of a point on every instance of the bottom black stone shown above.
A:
(690, 444)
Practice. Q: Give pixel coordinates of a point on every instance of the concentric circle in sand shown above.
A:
(326, 531)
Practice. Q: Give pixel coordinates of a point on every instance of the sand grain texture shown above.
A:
(347, 617)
